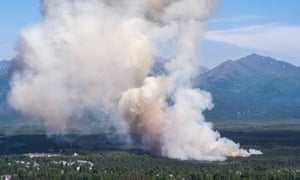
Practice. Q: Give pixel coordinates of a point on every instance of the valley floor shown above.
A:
(103, 160)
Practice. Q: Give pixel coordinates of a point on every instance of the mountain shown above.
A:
(253, 87)
(6, 113)
(4, 79)
(158, 67)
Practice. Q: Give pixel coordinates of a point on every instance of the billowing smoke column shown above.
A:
(97, 54)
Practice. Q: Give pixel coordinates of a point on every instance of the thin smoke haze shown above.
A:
(97, 55)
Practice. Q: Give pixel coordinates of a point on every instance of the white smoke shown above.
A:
(97, 54)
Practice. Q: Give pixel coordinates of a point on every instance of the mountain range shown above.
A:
(254, 87)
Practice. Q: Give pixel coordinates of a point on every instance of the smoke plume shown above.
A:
(96, 55)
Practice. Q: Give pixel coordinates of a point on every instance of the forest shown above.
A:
(69, 157)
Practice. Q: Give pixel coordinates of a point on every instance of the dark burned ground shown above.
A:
(113, 160)
(39, 143)
(18, 144)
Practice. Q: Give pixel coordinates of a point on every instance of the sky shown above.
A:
(238, 28)
(241, 27)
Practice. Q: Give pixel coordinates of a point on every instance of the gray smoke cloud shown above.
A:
(97, 55)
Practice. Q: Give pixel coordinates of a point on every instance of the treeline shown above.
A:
(123, 165)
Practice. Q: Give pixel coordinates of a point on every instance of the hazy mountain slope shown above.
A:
(253, 87)
(4, 80)
(158, 67)
(6, 113)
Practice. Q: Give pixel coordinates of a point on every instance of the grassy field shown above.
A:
(258, 125)
(279, 141)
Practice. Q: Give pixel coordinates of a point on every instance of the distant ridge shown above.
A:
(158, 67)
(253, 66)
(253, 87)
